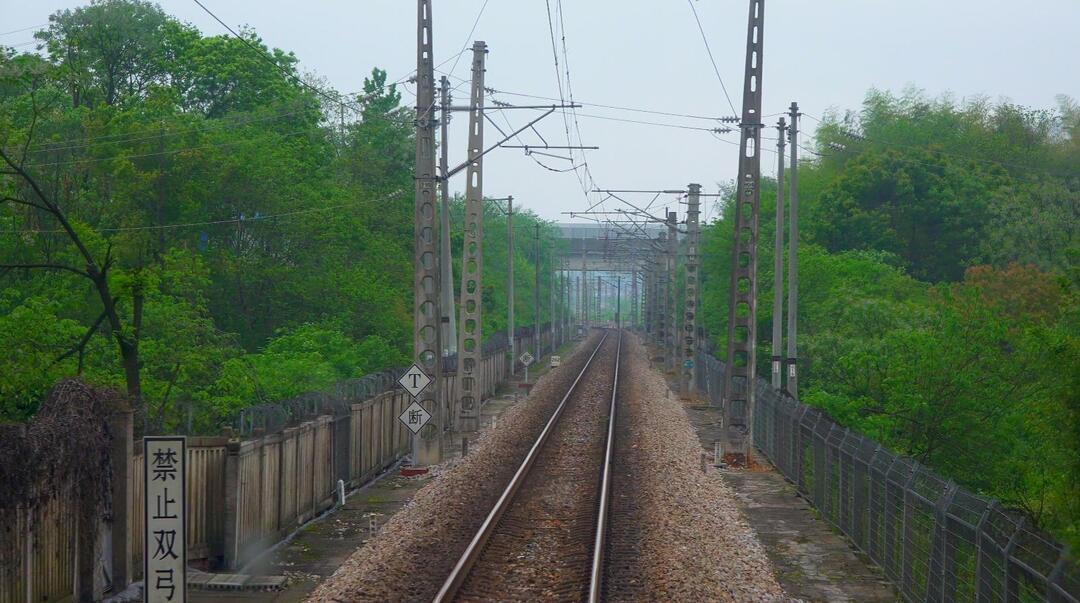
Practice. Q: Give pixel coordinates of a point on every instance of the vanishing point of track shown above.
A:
(545, 536)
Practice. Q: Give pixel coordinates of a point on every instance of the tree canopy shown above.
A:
(238, 233)
(938, 289)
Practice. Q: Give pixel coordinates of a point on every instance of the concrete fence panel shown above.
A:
(243, 495)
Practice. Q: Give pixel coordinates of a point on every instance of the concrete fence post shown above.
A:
(232, 500)
(121, 423)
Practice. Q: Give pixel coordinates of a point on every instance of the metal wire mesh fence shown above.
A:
(934, 540)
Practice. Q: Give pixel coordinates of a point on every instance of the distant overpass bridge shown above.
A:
(608, 248)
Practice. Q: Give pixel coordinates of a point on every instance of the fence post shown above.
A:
(260, 489)
(820, 468)
(232, 499)
(28, 554)
(908, 527)
(1055, 587)
(888, 546)
(1011, 583)
(983, 577)
(941, 557)
(861, 512)
(279, 524)
(342, 439)
(121, 424)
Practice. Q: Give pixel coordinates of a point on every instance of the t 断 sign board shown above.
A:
(165, 506)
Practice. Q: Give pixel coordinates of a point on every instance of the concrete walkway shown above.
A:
(813, 561)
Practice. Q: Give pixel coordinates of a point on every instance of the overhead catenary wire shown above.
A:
(21, 29)
(154, 154)
(468, 38)
(265, 57)
(570, 90)
(149, 134)
(562, 92)
(240, 218)
(712, 60)
(338, 99)
(605, 106)
(647, 123)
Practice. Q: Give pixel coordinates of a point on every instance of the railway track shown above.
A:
(545, 538)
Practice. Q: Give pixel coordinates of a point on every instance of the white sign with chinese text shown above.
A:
(526, 359)
(415, 417)
(415, 380)
(165, 549)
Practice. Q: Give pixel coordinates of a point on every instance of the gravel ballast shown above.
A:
(415, 551)
(688, 540)
(541, 548)
(676, 533)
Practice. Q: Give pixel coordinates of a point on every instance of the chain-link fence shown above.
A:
(934, 540)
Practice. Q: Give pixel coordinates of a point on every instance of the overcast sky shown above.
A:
(649, 54)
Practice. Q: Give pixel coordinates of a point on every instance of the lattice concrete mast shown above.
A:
(673, 315)
(739, 373)
(690, 290)
(470, 337)
(427, 446)
(446, 273)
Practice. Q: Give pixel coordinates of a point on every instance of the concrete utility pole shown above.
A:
(446, 296)
(740, 372)
(660, 296)
(569, 300)
(510, 283)
(472, 267)
(584, 293)
(599, 299)
(793, 259)
(778, 266)
(536, 298)
(554, 310)
(650, 299)
(670, 353)
(427, 446)
(618, 302)
(577, 300)
(633, 299)
(690, 290)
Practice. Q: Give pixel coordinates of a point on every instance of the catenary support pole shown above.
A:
(510, 284)
(778, 265)
(584, 292)
(673, 318)
(660, 315)
(599, 306)
(536, 299)
(553, 310)
(470, 389)
(446, 265)
(427, 445)
(567, 309)
(618, 303)
(738, 400)
(793, 259)
(690, 290)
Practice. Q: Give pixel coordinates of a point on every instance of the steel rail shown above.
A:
(461, 569)
(596, 577)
